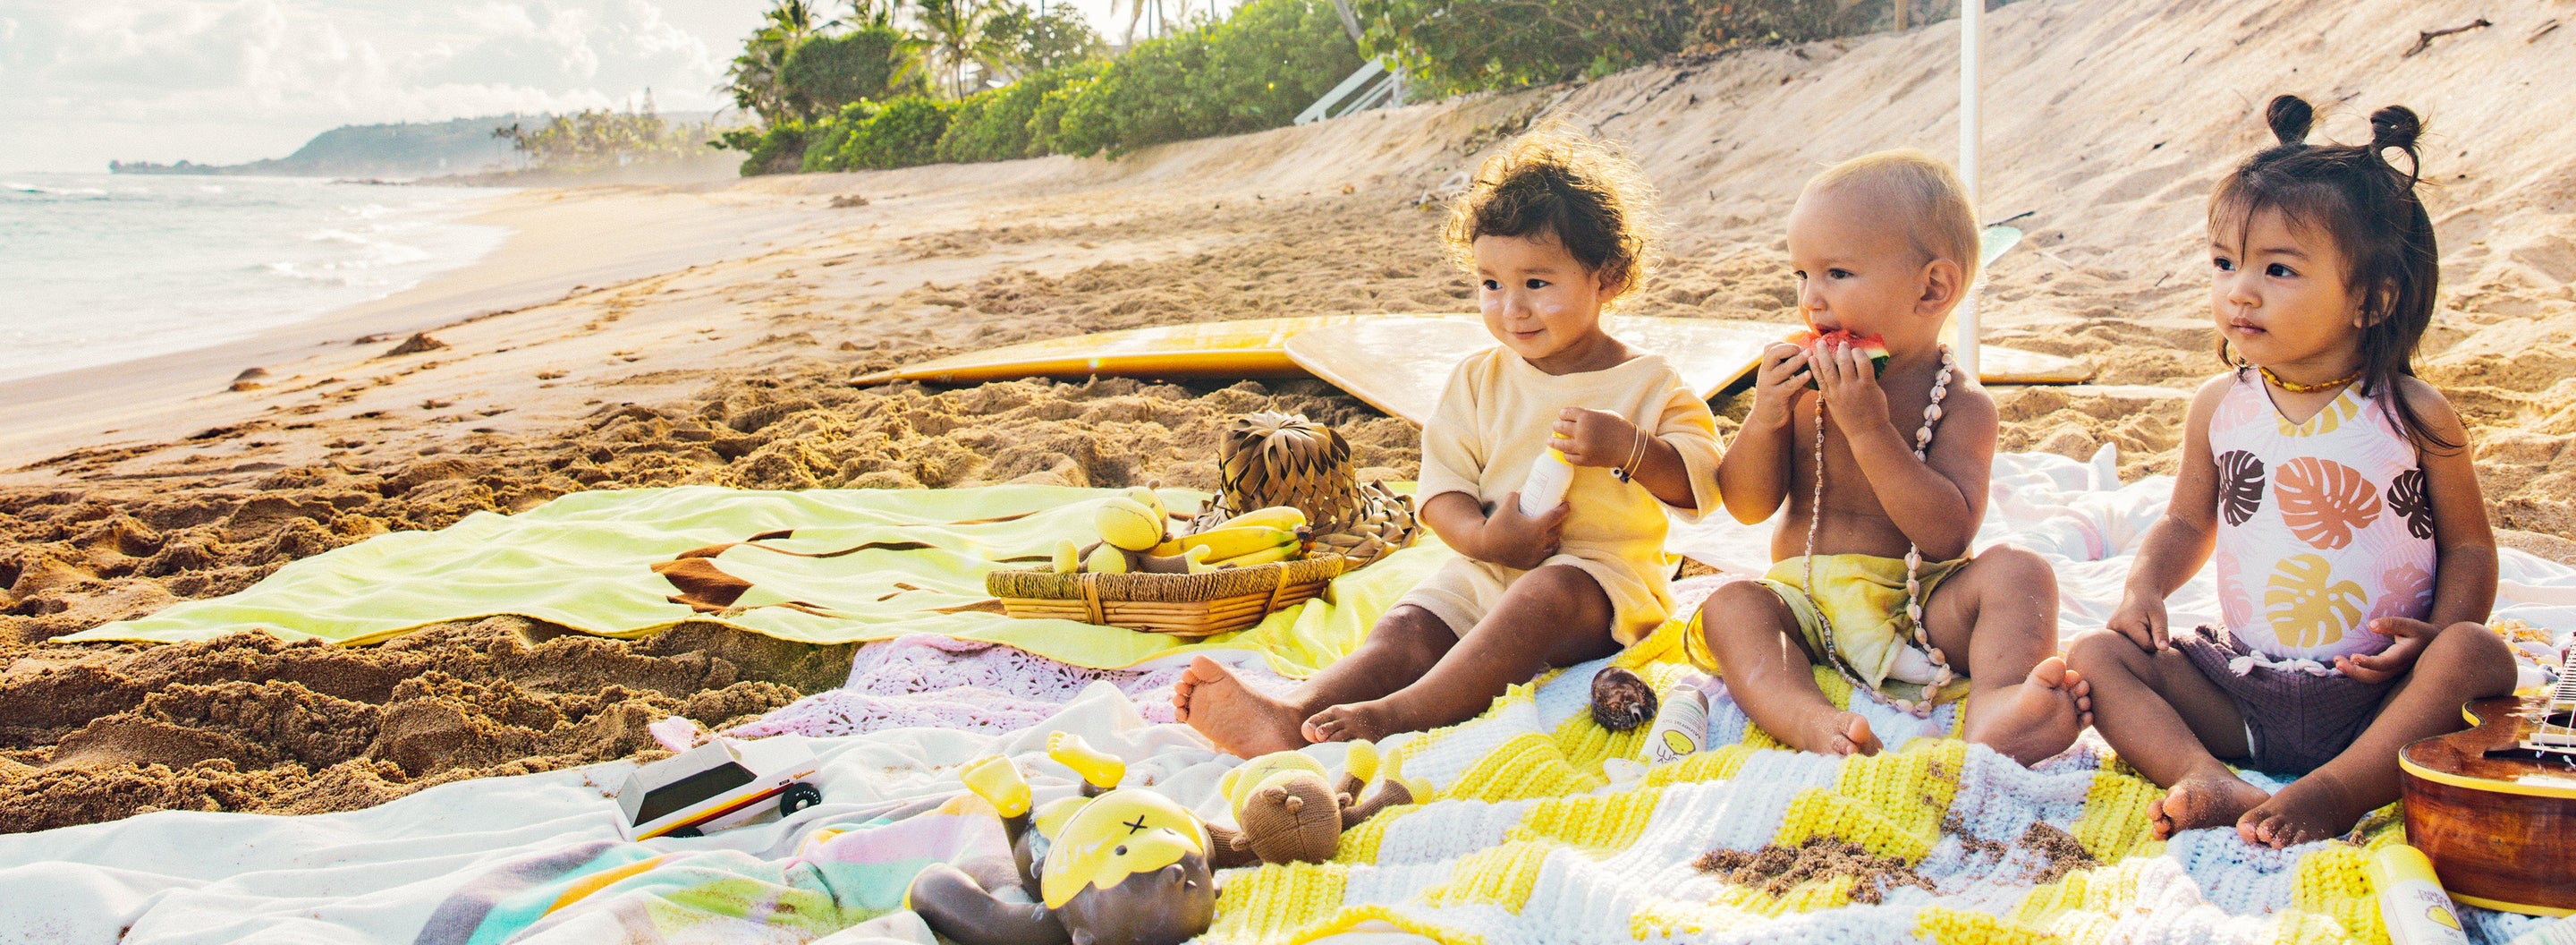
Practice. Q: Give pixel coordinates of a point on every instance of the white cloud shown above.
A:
(233, 80)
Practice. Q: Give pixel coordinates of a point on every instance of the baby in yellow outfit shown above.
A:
(1553, 231)
(1884, 470)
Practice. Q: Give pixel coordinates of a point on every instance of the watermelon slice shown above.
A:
(1875, 346)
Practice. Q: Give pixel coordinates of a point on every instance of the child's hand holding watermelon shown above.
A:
(1776, 383)
(1873, 347)
(1847, 372)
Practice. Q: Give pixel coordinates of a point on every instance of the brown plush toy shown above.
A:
(1289, 813)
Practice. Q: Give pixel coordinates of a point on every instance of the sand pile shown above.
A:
(2108, 123)
(247, 723)
(90, 733)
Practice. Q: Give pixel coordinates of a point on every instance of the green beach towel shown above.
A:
(819, 566)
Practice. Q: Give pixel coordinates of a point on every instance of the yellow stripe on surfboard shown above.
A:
(1250, 348)
(1395, 363)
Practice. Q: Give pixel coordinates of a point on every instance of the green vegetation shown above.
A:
(991, 80)
(985, 80)
(826, 72)
(1009, 122)
(591, 140)
(1453, 46)
(1256, 70)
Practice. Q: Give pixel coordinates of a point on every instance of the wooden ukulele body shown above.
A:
(2501, 831)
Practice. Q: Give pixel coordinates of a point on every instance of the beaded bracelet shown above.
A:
(1627, 472)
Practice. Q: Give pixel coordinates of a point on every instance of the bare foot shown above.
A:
(2215, 800)
(1354, 722)
(2035, 719)
(2310, 808)
(1241, 721)
(1839, 733)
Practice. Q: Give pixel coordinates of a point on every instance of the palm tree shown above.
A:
(1135, 11)
(956, 34)
(867, 13)
(753, 77)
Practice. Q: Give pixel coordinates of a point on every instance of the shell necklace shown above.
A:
(1941, 674)
(2298, 388)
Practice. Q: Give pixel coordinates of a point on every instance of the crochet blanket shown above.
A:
(819, 566)
(1538, 831)
(1546, 830)
(931, 681)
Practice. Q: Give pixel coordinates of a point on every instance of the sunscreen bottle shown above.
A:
(1549, 475)
(1681, 726)
(2411, 901)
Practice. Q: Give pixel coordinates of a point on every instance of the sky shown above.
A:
(83, 82)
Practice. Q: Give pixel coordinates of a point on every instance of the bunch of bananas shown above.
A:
(1134, 539)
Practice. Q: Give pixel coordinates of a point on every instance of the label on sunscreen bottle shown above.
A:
(1549, 475)
(1681, 726)
(2411, 901)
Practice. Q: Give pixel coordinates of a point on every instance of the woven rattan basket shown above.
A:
(1183, 605)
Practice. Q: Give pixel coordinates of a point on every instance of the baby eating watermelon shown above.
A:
(1881, 448)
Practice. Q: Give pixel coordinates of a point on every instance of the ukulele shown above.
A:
(2494, 806)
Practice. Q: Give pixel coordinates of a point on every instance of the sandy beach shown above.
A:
(638, 335)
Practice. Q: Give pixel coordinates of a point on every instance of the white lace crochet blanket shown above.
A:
(934, 681)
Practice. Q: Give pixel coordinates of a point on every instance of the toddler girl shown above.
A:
(1552, 230)
(2353, 557)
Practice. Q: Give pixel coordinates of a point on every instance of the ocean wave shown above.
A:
(380, 252)
(329, 273)
(53, 191)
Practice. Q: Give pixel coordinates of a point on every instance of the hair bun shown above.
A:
(2395, 127)
(2290, 117)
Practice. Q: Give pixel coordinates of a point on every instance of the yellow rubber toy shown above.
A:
(996, 781)
(1098, 768)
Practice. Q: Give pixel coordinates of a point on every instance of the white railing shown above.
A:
(1373, 86)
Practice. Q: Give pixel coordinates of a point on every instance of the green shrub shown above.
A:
(996, 124)
(773, 150)
(1465, 45)
(1268, 61)
(1046, 124)
(1450, 46)
(1256, 70)
(902, 133)
(1273, 58)
(1062, 37)
(827, 72)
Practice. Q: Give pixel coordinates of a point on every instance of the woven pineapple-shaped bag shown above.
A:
(1267, 459)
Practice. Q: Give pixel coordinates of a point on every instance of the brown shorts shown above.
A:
(2294, 721)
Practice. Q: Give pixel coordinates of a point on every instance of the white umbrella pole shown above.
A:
(1972, 15)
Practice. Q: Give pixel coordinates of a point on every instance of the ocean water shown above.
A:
(96, 269)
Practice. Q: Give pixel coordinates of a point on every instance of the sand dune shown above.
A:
(723, 360)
